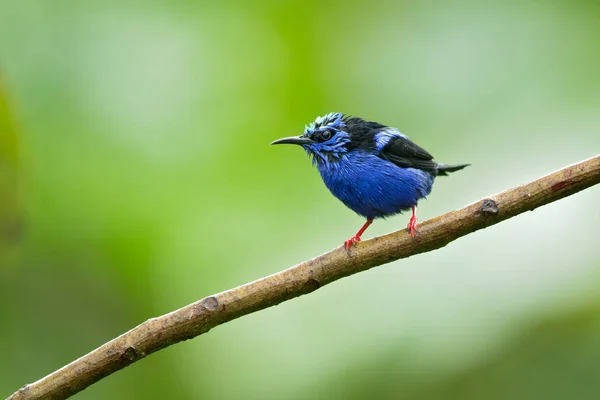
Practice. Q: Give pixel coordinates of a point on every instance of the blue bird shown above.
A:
(372, 168)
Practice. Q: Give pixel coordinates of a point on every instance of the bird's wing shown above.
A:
(405, 154)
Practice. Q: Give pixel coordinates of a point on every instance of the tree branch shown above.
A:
(203, 315)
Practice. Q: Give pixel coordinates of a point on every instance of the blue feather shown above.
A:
(382, 138)
(388, 190)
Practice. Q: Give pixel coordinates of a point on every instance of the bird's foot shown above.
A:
(348, 243)
(356, 238)
(412, 226)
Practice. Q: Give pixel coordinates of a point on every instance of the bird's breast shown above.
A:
(374, 187)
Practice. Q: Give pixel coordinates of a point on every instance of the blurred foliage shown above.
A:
(134, 144)
(10, 191)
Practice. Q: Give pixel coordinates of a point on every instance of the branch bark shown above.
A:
(203, 315)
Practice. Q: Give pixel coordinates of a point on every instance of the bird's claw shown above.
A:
(348, 243)
(412, 227)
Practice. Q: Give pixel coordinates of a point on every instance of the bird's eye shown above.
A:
(326, 135)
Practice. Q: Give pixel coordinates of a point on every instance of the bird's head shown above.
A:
(326, 140)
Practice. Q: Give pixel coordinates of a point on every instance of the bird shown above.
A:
(374, 169)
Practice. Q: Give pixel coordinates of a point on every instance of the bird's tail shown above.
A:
(444, 169)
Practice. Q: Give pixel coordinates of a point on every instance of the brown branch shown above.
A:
(203, 315)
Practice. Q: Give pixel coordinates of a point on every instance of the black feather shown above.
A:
(407, 154)
(399, 150)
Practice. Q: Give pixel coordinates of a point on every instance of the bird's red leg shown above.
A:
(356, 238)
(412, 224)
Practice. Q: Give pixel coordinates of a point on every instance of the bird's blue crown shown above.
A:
(332, 120)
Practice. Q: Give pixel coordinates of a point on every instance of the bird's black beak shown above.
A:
(294, 140)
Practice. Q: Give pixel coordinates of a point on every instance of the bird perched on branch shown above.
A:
(372, 168)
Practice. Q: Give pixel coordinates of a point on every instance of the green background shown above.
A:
(136, 177)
